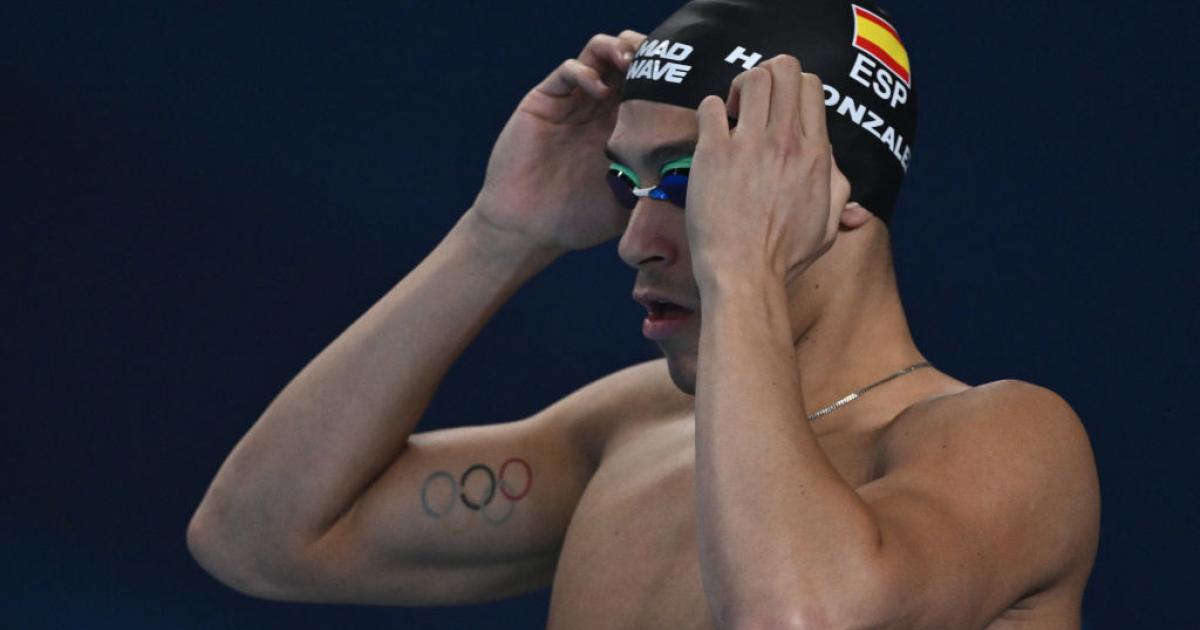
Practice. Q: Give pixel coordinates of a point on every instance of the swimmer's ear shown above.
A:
(854, 216)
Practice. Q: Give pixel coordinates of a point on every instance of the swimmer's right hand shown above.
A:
(545, 178)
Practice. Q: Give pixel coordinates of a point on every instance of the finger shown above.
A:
(608, 55)
(785, 94)
(631, 42)
(633, 38)
(733, 103)
(572, 74)
(751, 91)
(713, 121)
(812, 111)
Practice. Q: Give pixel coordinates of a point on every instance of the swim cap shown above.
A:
(870, 103)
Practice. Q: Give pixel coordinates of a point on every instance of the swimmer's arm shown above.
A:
(346, 416)
(987, 496)
(768, 500)
(1001, 496)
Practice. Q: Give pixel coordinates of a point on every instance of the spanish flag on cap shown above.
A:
(874, 36)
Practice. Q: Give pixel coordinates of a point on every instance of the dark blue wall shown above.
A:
(198, 197)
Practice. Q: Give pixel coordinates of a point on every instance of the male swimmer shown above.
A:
(793, 461)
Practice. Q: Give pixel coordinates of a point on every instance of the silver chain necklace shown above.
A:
(851, 397)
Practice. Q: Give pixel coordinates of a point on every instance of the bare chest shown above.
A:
(629, 559)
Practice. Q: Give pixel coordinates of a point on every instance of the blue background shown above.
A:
(198, 197)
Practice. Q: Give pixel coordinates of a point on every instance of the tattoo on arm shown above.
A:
(493, 495)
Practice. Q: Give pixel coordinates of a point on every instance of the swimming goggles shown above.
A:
(672, 183)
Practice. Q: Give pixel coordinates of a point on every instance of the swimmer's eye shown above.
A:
(625, 174)
(672, 183)
(682, 166)
(623, 183)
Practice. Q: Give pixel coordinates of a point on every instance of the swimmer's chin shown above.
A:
(683, 373)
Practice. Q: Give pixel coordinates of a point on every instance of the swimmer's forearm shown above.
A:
(347, 415)
(781, 534)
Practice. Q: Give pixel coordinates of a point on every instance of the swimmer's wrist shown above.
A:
(723, 278)
(504, 248)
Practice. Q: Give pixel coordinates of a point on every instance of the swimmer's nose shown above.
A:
(653, 234)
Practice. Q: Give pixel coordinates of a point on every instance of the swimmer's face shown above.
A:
(647, 136)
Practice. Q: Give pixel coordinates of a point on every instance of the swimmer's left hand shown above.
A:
(766, 197)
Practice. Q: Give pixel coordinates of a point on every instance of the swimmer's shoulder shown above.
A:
(628, 398)
(1030, 433)
(1005, 406)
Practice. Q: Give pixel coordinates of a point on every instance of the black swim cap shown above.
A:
(870, 103)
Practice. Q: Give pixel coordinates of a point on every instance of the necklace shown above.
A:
(852, 396)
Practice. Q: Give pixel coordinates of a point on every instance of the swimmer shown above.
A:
(792, 461)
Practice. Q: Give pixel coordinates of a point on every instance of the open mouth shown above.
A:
(664, 319)
(666, 310)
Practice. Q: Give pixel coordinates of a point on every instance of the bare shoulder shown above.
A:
(640, 393)
(1018, 446)
(1009, 414)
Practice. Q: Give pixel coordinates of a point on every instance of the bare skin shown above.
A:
(333, 496)
(633, 535)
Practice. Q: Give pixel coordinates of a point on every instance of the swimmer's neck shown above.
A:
(852, 330)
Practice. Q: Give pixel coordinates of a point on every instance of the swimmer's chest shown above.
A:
(629, 558)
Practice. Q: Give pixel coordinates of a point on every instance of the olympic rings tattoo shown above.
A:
(528, 478)
(501, 519)
(425, 494)
(496, 481)
(491, 486)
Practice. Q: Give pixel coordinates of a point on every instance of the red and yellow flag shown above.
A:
(874, 36)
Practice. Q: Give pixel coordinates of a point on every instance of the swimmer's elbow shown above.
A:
(245, 572)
